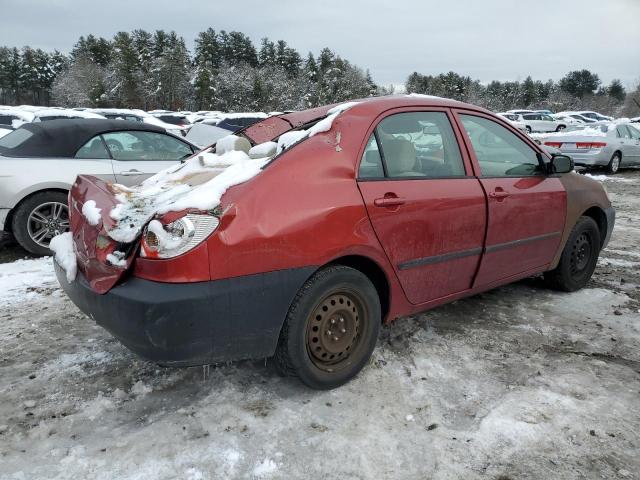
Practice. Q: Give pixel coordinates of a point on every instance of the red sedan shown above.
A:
(298, 237)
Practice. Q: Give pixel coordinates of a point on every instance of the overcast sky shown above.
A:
(486, 39)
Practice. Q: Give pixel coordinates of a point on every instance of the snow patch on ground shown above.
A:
(24, 280)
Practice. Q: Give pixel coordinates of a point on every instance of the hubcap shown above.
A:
(46, 221)
(333, 330)
(580, 254)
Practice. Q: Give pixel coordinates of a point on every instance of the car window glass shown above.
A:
(134, 145)
(635, 134)
(371, 163)
(15, 138)
(94, 148)
(623, 132)
(419, 144)
(499, 152)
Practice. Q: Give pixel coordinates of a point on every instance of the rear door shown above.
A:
(526, 207)
(136, 155)
(427, 210)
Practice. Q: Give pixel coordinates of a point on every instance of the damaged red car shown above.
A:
(296, 238)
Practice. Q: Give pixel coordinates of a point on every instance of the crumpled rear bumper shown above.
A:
(193, 323)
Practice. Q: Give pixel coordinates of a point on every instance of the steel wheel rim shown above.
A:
(581, 254)
(46, 221)
(334, 330)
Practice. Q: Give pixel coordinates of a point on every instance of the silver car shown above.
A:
(40, 161)
(606, 145)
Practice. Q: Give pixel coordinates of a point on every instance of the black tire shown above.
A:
(528, 128)
(336, 297)
(560, 128)
(579, 257)
(614, 163)
(24, 233)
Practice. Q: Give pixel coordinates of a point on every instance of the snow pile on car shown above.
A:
(62, 247)
(198, 183)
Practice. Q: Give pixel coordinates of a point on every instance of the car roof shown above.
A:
(365, 109)
(63, 138)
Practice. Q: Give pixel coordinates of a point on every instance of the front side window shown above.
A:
(635, 134)
(500, 153)
(419, 144)
(94, 148)
(134, 145)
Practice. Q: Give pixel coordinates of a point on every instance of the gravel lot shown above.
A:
(519, 382)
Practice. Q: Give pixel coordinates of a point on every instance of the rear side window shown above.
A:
(635, 134)
(500, 153)
(419, 145)
(15, 139)
(371, 163)
(94, 148)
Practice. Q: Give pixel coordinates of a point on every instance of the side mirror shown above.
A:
(560, 164)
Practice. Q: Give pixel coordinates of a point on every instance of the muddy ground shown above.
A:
(520, 382)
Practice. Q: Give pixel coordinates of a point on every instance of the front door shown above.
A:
(526, 207)
(428, 214)
(136, 155)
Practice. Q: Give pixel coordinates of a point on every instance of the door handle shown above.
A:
(130, 173)
(499, 194)
(389, 201)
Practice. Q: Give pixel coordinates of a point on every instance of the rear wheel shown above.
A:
(528, 129)
(579, 257)
(560, 128)
(38, 219)
(614, 163)
(331, 328)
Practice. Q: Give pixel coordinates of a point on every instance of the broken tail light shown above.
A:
(175, 238)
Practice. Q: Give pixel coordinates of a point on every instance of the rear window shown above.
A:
(7, 119)
(14, 139)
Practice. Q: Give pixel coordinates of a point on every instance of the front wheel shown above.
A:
(331, 328)
(528, 129)
(579, 257)
(560, 128)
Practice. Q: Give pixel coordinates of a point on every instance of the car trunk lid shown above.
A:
(92, 243)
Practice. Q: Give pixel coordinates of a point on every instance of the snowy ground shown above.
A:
(520, 382)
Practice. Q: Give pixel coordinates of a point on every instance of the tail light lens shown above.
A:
(178, 237)
(553, 144)
(590, 145)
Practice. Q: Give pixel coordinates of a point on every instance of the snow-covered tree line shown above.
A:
(577, 90)
(146, 70)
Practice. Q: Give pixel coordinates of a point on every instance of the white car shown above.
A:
(40, 161)
(578, 116)
(539, 122)
(513, 119)
(567, 120)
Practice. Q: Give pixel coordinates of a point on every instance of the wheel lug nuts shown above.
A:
(341, 320)
(329, 333)
(342, 330)
(335, 339)
(333, 320)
